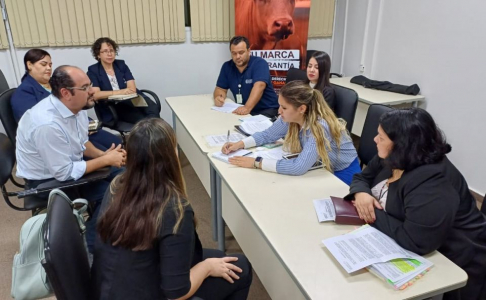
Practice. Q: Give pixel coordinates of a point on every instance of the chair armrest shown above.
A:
(55, 184)
(336, 75)
(154, 96)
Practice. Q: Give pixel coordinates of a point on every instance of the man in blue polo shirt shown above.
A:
(248, 78)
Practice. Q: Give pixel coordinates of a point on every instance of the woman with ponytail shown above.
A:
(311, 129)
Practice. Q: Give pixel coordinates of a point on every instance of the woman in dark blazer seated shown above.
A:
(414, 194)
(148, 246)
(318, 74)
(35, 87)
(112, 76)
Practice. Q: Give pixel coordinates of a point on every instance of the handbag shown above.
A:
(29, 279)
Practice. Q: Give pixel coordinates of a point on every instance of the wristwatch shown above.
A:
(256, 164)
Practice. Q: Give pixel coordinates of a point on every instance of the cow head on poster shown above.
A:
(265, 22)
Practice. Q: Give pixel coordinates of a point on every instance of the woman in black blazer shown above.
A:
(318, 74)
(414, 194)
(112, 76)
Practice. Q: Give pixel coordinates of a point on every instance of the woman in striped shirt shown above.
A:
(310, 129)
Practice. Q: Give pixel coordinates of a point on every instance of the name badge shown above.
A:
(249, 81)
(239, 98)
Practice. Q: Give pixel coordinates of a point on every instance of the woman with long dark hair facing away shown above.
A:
(148, 246)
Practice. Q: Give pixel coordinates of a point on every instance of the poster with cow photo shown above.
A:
(277, 31)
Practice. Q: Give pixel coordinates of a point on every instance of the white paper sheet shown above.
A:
(257, 118)
(225, 157)
(253, 127)
(228, 107)
(363, 248)
(275, 153)
(324, 209)
(220, 139)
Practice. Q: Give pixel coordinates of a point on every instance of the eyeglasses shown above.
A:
(84, 88)
(110, 51)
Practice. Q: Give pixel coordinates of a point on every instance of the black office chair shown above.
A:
(34, 199)
(123, 127)
(367, 147)
(346, 104)
(3, 83)
(295, 74)
(6, 115)
(483, 206)
(66, 259)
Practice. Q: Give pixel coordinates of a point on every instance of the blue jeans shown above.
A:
(346, 175)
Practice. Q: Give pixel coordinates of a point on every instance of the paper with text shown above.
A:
(324, 209)
(254, 127)
(228, 107)
(363, 248)
(220, 139)
(225, 157)
(256, 118)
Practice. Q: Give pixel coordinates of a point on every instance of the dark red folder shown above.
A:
(346, 212)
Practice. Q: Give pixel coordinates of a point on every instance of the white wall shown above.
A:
(439, 45)
(167, 69)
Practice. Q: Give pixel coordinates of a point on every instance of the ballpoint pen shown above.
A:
(227, 137)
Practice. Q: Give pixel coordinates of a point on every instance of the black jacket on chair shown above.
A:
(431, 208)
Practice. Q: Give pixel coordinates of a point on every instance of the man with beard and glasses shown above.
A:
(52, 138)
(248, 78)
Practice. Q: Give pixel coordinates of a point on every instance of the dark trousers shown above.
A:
(102, 139)
(127, 112)
(93, 192)
(216, 288)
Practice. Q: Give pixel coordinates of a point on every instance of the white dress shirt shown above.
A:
(51, 141)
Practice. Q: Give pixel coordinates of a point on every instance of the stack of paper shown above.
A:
(256, 118)
(249, 128)
(225, 157)
(228, 107)
(220, 139)
(122, 97)
(369, 248)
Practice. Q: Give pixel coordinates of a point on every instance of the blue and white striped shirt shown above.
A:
(340, 158)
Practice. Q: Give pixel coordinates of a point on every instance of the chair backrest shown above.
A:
(6, 115)
(3, 83)
(66, 261)
(295, 74)
(367, 147)
(346, 104)
(483, 206)
(7, 158)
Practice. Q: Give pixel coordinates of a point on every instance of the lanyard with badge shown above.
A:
(239, 97)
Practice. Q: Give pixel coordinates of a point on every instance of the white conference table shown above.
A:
(273, 219)
(370, 96)
(193, 119)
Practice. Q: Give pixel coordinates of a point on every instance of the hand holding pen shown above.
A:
(231, 147)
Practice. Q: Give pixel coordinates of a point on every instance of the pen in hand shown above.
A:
(227, 137)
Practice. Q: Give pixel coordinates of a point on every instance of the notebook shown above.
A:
(122, 97)
(225, 157)
(249, 128)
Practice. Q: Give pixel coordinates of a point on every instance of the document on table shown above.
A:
(228, 107)
(256, 118)
(254, 127)
(275, 153)
(363, 248)
(221, 139)
(400, 271)
(324, 209)
(225, 157)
